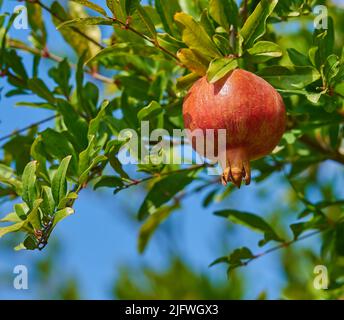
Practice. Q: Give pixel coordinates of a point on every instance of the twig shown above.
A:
(136, 182)
(8, 136)
(48, 55)
(332, 155)
(284, 245)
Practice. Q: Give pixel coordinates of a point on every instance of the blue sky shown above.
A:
(101, 235)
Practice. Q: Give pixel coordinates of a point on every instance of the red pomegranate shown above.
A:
(250, 110)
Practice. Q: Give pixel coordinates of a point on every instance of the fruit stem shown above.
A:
(236, 168)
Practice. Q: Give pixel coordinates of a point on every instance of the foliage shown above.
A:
(154, 54)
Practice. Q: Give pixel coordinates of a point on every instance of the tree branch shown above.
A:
(330, 154)
(8, 136)
(48, 55)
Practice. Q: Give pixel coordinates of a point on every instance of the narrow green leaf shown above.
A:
(29, 194)
(117, 8)
(291, 77)
(91, 5)
(48, 204)
(264, 50)
(224, 12)
(193, 61)
(297, 57)
(185, 82)
(151, 224)
(40, 88)
(163, 191)
(255, 24)
(166, 11)
(149, 112)
(131, 6)
(62, 214)
(59, 182)
(12, 228)
(251, 221)
(195, 37)
(21, 210)
(109, 181)
(219, 68)
(94, 163)
(95, 123)
(142, 21)
(66, 201)
(89, 21)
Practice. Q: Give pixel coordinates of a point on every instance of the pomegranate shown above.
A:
(250, 110)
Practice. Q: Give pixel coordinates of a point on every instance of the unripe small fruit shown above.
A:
(250, 110)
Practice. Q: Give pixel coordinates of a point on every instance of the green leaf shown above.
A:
(95, 123)
(265, 50)
(48, 204)
(239, 257)
(70, 197)
(98, 159)
(11, 217)
(109, 181)
(30, 243)
(91, 5)
(185, 82)
(220, 67)
(323, 40)
(59, 182)
(150, 112)
(61, 75)
(57, 145)
(195, 37)
(317, 222)
(117, 7)
(224, 12)
(89, 21)
(193, 61)
(291, 77)
(255, 24)
(142, 22)
(131, 6)
(297, 57)
(253, 222)
(33, 216)
(36, 22)
(29, 193)
(12, 228)
(62, 214)
(38, 87)
(330, 68)
(151, 224)
(166, 11)
(77, 126)
(163, 191)
(21, 210)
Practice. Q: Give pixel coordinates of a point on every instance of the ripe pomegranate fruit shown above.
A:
(250, 110)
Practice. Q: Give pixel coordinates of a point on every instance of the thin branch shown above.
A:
(48, 55)
(139, 181)
(284, 245)
(332, 155)
(8, 136)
